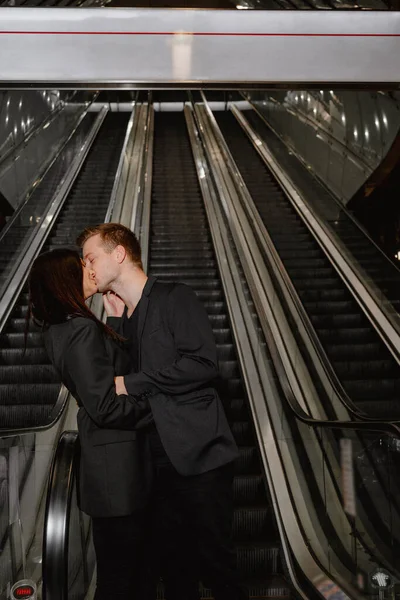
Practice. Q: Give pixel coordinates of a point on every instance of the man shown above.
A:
(174, 363)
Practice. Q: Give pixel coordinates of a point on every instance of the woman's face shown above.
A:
(89, 284)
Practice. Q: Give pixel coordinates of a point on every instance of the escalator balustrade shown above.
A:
(369, 374)
(29, 386)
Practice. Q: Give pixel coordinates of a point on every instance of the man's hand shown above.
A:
(113, 305)
(120, 386)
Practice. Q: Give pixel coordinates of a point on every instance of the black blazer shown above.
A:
(177, 369)
(114, 480)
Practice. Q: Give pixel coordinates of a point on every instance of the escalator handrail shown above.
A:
(142, 219)
(331, 376)
(57, 515)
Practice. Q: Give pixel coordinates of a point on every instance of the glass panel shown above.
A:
(369, 491)
(24, 464)
(354, 123)
(351, 481)
(16, 238)
(342, 173)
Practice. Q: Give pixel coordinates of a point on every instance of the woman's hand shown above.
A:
(113, 305)
(120, 386)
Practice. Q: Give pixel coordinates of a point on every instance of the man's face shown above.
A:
(104, 264)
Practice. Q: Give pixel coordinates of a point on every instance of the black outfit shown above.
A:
(114, 485)
(192, 448)
(113, 481)
(177, 365)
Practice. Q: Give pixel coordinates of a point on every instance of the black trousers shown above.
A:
(192, 529)
(119, 544)
(184, 536)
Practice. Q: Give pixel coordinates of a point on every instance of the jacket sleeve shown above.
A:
(196, 363)
(87, 363)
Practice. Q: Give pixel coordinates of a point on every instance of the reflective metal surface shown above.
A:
(98, 48)
(24, 258)
(33, 127)
(24, 467)
(341, 136)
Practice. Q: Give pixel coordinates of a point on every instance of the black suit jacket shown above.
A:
(177, 369)
(115, 476)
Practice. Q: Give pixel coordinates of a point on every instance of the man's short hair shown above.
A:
(113, 235)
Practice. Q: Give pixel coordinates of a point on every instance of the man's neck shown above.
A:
(129, 287)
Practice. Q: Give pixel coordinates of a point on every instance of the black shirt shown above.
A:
(130, 326)
(130, 331)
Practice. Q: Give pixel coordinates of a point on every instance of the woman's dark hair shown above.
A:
(56, 290)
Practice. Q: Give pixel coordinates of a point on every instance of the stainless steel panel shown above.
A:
(155, 46)
(342, 136)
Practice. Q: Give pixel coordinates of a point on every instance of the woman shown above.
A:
(113, 483)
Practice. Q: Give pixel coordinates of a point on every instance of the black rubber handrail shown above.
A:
(57, 516)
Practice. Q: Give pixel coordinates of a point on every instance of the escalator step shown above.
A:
(236, 409)
(252, 524)
(371, 369)
(225, 351)
(247, 463)
(373, 389)
(249, 490)
(242, 432)
(12, 394)
(229, 368)
(362, 351)
(255, 561)
(32, 373)
(358, 335)
(32, 356)
(19, 416)
(336, 307)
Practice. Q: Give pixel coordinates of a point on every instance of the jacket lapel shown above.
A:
(143, 306)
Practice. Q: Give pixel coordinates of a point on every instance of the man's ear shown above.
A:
(120, 254)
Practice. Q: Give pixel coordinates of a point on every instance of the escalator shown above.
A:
(369, 374)
(29, 386)
(181, 249)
